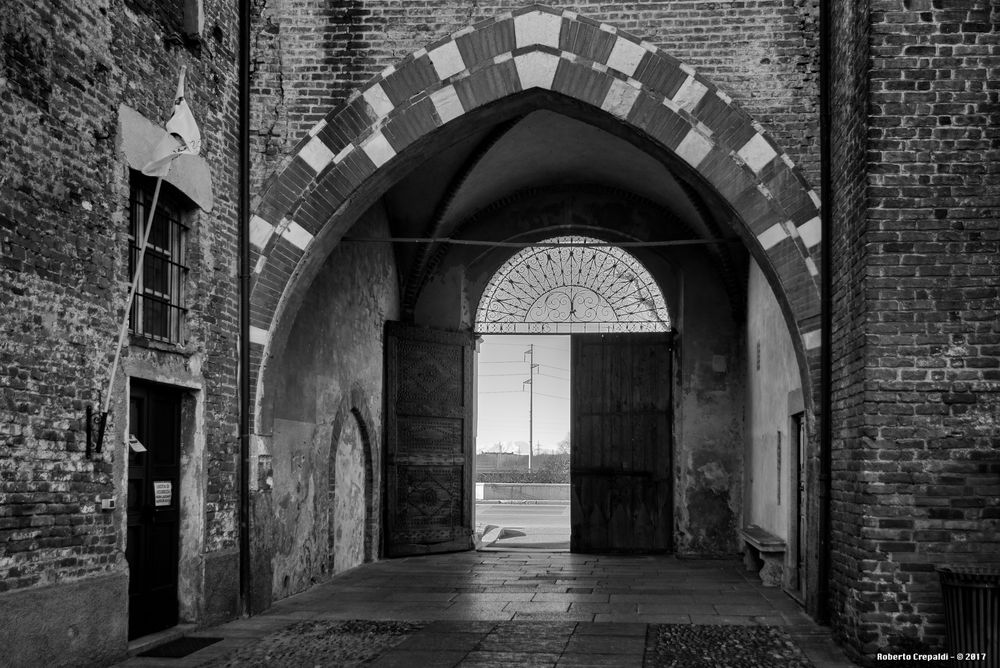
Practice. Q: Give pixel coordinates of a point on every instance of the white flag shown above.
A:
(183, 136)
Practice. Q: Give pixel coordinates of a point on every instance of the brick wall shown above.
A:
(310, 54)
(64, 70)
(57, 278)
(916, 459)
(848, 255)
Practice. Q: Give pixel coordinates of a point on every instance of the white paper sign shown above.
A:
(134, 443)
(162, 492)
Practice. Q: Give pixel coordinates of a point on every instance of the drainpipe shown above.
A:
(243, 209)
(826, 298)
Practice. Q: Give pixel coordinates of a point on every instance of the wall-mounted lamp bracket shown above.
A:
(95, 423)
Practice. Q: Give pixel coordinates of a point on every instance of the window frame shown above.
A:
(167, 248)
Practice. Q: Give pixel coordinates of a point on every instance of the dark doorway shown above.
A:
(797, 516)
(153, 541)
(620, 465)
(429, 489)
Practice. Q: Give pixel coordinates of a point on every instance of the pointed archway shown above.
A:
(353, 155)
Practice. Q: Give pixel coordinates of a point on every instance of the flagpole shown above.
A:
(182, 137)
(123, 330)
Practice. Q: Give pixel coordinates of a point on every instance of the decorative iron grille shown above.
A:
(569, 285)
(158, 309)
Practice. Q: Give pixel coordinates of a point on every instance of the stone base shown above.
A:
(751, 561)
(773, 569)
(222, 586)
(82, 623)
(770, 566)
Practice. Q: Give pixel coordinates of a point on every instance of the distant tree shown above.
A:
(562, 447)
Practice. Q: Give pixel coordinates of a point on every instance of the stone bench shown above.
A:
(764, 553)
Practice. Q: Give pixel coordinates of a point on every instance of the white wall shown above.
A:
(768, 409)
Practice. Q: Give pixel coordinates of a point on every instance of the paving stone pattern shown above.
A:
(456, 643)
(320, 643)
(709, 646)
(527, 608)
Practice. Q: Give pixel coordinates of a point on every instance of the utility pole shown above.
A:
(530, 353)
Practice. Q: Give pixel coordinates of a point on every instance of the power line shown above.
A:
(541, 244)
(505, 362)
(522, 345)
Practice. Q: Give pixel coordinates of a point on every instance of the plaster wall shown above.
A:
(76, 624)
(773, 383)
(708, 415)
(333, 355)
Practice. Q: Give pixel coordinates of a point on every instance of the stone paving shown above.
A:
(532, 608)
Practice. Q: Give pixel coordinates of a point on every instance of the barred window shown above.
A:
(158, 309)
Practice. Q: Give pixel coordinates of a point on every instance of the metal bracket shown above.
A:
(95, 421)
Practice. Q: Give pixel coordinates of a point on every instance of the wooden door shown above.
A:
(153, 540)
(429, 489)
(620, 462)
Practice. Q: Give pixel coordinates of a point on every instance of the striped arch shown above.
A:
(559, 51)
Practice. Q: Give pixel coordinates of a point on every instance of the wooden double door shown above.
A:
(620, 463)
(621, 473)
(429, 435)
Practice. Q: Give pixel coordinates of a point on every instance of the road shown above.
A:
(546, 525)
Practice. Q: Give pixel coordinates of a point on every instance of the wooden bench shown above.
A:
(764, 553)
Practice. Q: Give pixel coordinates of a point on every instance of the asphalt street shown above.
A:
(545, 525)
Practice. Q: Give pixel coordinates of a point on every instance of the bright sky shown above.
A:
(504, 398)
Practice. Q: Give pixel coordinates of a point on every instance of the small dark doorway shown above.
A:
(620, 464)
(797, 517)
(153, 541)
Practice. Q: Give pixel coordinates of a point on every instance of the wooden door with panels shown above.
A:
(620, 462)
(429, 437)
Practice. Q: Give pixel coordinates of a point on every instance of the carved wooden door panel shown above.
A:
(620, 462)
(429, 489)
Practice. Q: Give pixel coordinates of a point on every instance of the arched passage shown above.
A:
(520, 76)
(357, 151)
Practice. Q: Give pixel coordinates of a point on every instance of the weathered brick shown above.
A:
(908, 199)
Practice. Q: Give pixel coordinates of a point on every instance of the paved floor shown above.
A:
(611, 597)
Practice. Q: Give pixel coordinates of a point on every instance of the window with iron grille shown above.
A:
(158, 309)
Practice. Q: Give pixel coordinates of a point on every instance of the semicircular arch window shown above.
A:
(570, 285)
